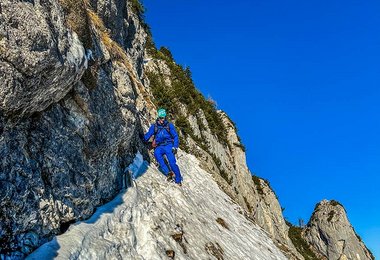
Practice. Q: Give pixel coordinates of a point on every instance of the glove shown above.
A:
(174, 150)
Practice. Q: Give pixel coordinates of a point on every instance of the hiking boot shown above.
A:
(170, 176)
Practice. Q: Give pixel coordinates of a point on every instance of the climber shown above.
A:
(165, 142)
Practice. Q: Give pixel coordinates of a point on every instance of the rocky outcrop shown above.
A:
(67, 132)
(267, 213)
(226, 160)
(331, 235)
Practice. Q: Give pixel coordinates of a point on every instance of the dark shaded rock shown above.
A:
(170, 254)
(215, 250)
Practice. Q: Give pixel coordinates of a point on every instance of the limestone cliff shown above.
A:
(67, 133)
(331, 234)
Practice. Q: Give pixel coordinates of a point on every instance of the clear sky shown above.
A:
(301, 79)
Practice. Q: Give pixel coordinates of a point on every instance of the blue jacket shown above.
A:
(163, 137)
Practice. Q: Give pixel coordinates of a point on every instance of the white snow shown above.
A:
(139, 223)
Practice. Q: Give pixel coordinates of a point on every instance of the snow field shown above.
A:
(155, 216)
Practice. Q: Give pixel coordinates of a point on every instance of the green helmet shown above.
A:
(161, 112)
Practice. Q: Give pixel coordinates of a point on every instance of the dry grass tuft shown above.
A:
(118, 54)
(77, 19)
(116, 51)
(84, 21)
(80, 18)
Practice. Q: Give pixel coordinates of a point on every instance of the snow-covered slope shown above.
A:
(155, 219)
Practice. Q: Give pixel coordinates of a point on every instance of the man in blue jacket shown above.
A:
(165, 142)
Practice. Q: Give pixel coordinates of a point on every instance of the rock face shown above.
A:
(331, 234)
(65, 138)
(40, 58)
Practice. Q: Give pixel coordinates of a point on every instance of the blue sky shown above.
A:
(301, 80)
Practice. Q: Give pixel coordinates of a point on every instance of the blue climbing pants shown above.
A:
(159, 153)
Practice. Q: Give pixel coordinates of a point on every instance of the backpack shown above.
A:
(166, 127)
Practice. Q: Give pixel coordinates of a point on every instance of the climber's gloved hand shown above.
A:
(174, 150)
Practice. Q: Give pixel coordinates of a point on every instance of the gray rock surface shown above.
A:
(331, 234)
(256, 195)
(40, 59)
(65, 138)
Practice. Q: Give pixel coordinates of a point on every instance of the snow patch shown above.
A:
(155, 218)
